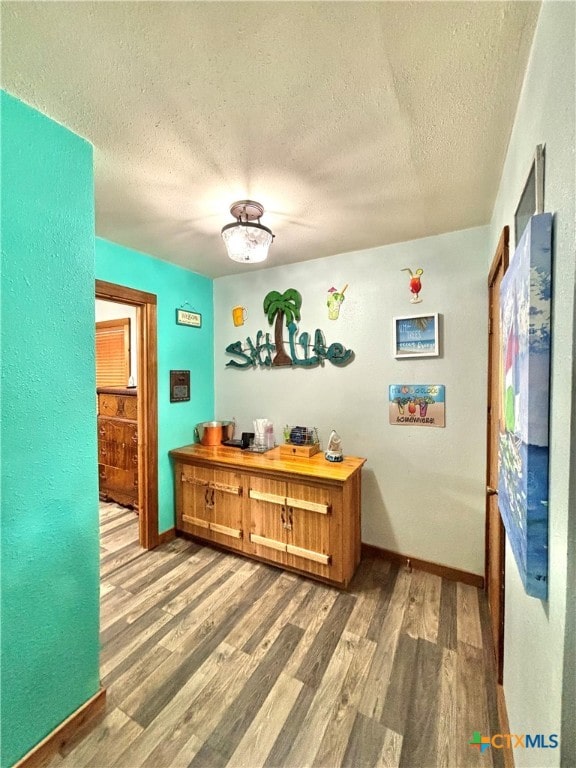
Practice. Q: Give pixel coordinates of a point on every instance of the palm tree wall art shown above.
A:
(285, 306)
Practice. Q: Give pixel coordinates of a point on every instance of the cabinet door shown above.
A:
(268, 519)
(194, 501)
(225, 499)
(209, 504)
(314, 520)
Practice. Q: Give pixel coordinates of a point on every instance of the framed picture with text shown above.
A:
(416, 336)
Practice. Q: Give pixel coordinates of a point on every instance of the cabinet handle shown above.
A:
(286, 520)
(135, 459)
(135, 439)
(102, 431)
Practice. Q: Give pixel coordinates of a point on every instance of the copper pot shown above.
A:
(214, 432)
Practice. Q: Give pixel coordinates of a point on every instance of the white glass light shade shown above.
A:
(246, 241)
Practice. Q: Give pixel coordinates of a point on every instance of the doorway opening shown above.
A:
(144, 305)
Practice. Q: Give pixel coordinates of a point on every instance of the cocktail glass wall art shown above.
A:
(525, 304)
(415, 284)
(334, 302)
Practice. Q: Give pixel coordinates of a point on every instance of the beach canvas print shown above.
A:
(525, 303)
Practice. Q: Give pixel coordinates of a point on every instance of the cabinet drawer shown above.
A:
(123, 406)
(112, 478)
(118, 455)
(118, 430)
(118, 443)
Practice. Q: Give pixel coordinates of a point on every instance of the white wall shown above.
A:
(538, 694)
(109, 310)
(423, 488)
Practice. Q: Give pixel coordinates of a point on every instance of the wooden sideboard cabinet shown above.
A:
(302, 514)
(118, 445)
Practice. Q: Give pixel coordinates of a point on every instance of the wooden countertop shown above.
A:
(130, 391)
(316, 466)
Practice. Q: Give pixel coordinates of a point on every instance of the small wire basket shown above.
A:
(295, 435)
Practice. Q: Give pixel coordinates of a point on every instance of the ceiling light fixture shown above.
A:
(247, 241)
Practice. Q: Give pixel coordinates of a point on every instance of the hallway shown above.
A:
(213, 660)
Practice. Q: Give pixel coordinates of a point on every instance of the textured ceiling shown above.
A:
(355, 124)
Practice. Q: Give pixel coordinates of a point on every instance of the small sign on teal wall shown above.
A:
(184, 317)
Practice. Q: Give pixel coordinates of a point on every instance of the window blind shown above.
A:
(113, 353)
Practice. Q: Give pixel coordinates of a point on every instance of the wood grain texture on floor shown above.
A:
(214, 660)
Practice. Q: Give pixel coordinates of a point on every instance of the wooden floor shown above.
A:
(214, 660)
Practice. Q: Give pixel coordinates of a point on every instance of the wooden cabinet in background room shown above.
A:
(209, 504)
(118, 445)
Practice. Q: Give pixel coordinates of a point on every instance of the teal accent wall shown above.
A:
(179, 347)
(49, 537)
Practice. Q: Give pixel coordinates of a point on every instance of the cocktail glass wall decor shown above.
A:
(525, 304)
(335, 299)
(415, 284)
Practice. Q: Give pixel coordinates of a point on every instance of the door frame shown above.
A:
(145, 304)
(500, 261)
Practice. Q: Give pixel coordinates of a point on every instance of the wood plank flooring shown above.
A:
(212, 660)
